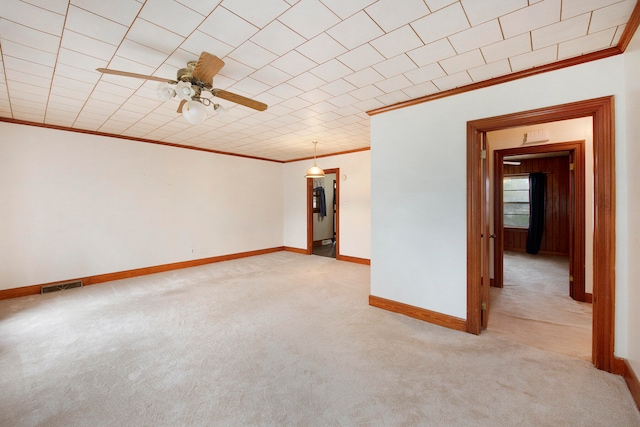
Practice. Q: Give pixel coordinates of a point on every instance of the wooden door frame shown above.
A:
(577, 223)
(310, 212)
(602, 112)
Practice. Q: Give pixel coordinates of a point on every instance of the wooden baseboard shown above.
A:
(296, 250)
(588, 298)
(101, 278)
(356, 260)
(429, 316)
(631, 379)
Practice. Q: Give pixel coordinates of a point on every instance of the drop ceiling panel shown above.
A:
(319, 65)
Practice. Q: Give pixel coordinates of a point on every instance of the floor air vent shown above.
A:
(60, 286)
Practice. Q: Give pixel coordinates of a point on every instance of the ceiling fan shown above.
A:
(190, 84)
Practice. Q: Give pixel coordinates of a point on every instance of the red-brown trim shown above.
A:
(355, 150)
(602, 112)
(295, 250)
(429, 316)
(363, 261)
(631, 379)
(630, 28)
(588, 297)
(100, 278)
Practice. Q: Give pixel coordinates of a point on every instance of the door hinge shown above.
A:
(483, 154)
(572, 166)
(571, 277)
(484, 306)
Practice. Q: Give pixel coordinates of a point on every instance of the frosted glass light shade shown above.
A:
(185, 91)
(165, 91)
(194, 112)
(314, 171)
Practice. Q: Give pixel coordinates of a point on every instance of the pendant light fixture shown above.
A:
(314, 171)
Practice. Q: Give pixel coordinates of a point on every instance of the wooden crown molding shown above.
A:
(625, 38)
(355, 150)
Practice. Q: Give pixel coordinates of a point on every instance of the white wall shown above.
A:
(355, 208)
(75, 205)
(564, 131)
(631, 239)
(419, 184)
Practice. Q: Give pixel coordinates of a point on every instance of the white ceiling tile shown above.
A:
(523, 20)
(309, 18)
(120, 11)
(432, 52)
(136, 52)
(158, 38)
(483, 11)
(426, 73)
(171, 15)
(271, 76)
(422, 89)
(306, 82)
(462, 62)
(397, 42)
(534, 58)
(435, 5)
(87, 45)
(29, 68)
(331, 70)
(33, 16)
(202, 7)
(611, 16)
(366, 92)
(294, 63)
(355, 31)
(10, 31)
(510, 47)
(361, 57)
(440, 24)
(234, 69)
(315, 96)
(199, 42)
(277, 38)
(227, 27)
(87, 76)
(392, 14)
(28, 54)
(343, 100)
(588, 43)
(95, 26)
(453, 81)
(321, 48)
(295, 103)
(619, 32)
(395, 83)
(338, 87)
(561, 31)
(571, 8)
(475, 37)
(258, 13)
(386, 99)
(345, 9)
(17, 76)
(57, 6)
(394, 66)
(286, 91)
(364, 77)
(252, 55)
(489, 71)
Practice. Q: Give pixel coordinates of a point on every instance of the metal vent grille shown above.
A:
(60, 286)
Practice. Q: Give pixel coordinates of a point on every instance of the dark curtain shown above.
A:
(537, 183)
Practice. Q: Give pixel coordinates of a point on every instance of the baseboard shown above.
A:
(295, 250)
(429, 316)
(588, 298)
(356, 260)
(632, 382)
(92, 280)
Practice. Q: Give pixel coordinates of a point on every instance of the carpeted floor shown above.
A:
(534, 306)
(276, 340)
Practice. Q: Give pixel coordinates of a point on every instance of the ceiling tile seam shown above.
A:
(64, 27)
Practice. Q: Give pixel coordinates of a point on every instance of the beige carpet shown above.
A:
(277, 340)
(534, 306)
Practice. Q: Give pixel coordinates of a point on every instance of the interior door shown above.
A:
(486, 247)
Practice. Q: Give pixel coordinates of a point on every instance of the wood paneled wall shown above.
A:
(555, 238)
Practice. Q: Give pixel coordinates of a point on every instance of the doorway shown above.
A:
(602, 113)
(323, 215)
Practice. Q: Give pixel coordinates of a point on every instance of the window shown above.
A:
(515, 198)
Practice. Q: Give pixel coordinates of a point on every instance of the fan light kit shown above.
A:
(189, 86)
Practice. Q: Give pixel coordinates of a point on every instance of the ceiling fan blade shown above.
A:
(207, 66)
(238, 99)
(135, 75)
(184, 101)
